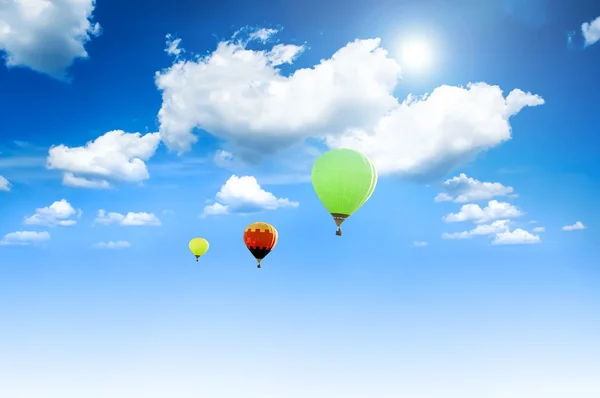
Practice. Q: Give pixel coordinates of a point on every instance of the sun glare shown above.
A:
(415, 54)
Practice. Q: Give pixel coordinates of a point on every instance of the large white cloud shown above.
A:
(244, 195)
(115, 155)
(463, 189)
(46, 35)
(127, 220)
(240, 95)
(575, 227)
(59, 213)
(429, 136)
(24, 238)
(591, 31)
(493, 211)
(4, 184)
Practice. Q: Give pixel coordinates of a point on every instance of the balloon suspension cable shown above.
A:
(339, 219)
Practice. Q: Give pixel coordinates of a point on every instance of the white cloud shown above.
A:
(419, 244)
(173, 46)
(24, 238)
(463, 189)
(116, 155)
(59, 213)
(71, 180)
(44, 35)
(4, 184)
(244, 195)
(261, 34)
(493, 211)
(496, 227)
(429, 136)
(121, 244)
(539, 229)
(500, 230)
(516, 237)
(575, 227)
(216, 209)
(591, 31)
(240, 95)
(129, 219)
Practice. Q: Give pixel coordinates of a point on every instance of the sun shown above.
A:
(415, 54)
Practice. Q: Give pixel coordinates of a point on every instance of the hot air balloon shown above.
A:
(260, 238)
(343, 180)
(198, 247)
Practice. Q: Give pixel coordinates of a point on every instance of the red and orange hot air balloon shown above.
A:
(260, 238)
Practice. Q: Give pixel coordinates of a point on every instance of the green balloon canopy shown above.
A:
(343, 180)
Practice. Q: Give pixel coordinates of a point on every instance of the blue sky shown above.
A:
(130, 128)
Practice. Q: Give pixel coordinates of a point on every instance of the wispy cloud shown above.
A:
(127, 220)
(24, 238)
(12, 162)
(112, 245)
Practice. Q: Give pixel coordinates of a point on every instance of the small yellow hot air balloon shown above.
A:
(198, 247)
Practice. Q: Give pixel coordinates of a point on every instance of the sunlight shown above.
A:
(415, 54)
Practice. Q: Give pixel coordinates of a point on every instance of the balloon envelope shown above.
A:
(198, 247)
(343, 180)
(260, 238)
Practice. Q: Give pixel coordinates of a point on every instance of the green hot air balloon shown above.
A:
(343, 180)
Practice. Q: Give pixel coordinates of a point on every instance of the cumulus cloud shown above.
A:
(121, 244)
(127, 220)
(429, 136)
(46, 36)
(480, 230)
(24, 238)
(419, 244)
(463, 189)
(516, 237)
(244, 195)
(59, 213)
(591, 31)
(347, 100)
(115, 155)
(575, 227)
(493, 211)
(500, 230)
(4, 184)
